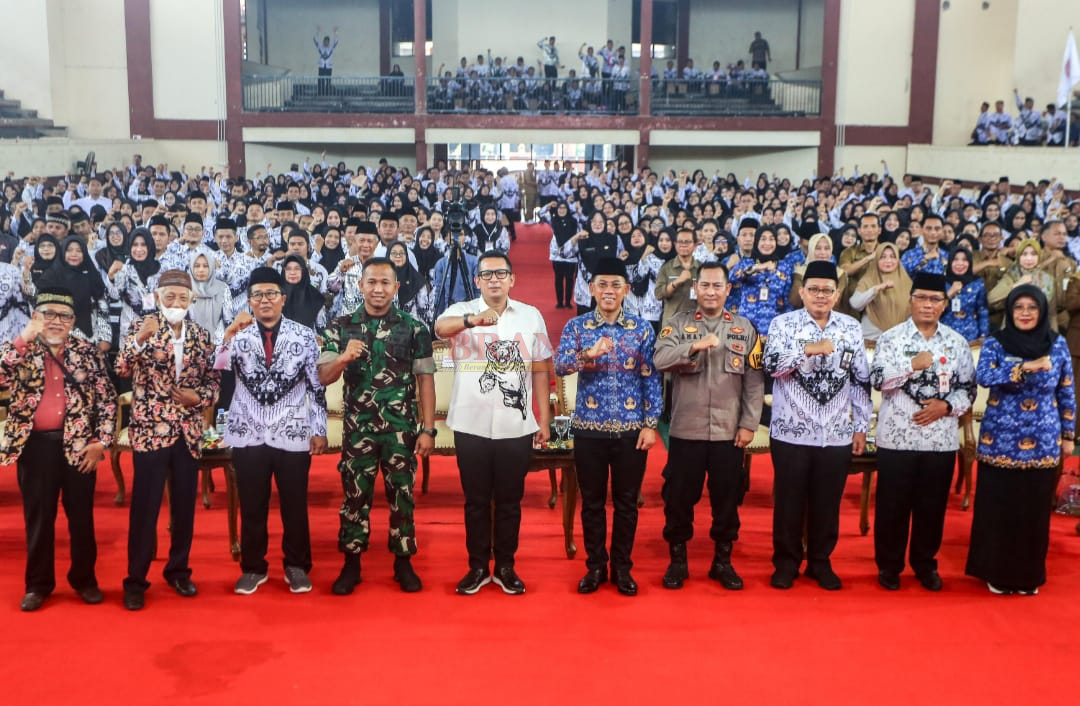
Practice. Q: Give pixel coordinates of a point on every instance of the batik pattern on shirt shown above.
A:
(968, 313)
(762, 295)
(1027, 414)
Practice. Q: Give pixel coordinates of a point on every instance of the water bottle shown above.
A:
(219, 424)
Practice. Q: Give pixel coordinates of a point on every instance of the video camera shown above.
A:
(455, 214)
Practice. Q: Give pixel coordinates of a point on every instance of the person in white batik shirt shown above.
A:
(820, 416)
(927, 377)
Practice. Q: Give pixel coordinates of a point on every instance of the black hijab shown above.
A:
(303, 301)
(775, 255)
(426, 258)
(150, 266)
(964, 279)
(598, 246)
(1028, 345)
(42, 265)
(83, 281)
(330, 257)
(407, 277)
(563, 227)
(487, 235)
(109, 254)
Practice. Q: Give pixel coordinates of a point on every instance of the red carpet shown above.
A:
(379, 646)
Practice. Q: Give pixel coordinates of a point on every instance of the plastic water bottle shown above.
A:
(219, 424)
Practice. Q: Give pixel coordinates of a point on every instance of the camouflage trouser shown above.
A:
(359, 465)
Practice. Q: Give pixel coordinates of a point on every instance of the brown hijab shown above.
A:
(890, 306)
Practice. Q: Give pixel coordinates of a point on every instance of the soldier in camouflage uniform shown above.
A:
(385, 355)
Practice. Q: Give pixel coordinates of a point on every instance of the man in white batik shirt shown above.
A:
(927, 378)
(820, 416)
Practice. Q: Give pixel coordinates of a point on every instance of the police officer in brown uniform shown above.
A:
(714, 358)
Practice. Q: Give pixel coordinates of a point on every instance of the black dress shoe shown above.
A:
(473, 581)
(405, 576)
(134, 600)
(783, 579)
(825, 577)
(931, 580)
(625, 583)
(507, 579)
(31, 602)
(349, 578)
(888, 580)
(184, 587)
(592, 580)
(91, 595)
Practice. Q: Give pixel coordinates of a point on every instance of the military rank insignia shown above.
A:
(665, 332)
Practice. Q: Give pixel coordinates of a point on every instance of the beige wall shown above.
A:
(795, 164)
(24, 54)
(258, 155)
(187, 52)
(291, 25)
(812, 41)
(722, 31)
(55, 156)
(868, 160)
(87, 67)
(874, 67)
(988, 163)
(1041, 30)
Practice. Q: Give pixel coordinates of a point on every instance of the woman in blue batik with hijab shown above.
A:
(764, 281)
(967, 312)
(1027, 431)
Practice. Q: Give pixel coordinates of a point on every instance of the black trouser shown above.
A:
(513, 215)
(912, 490)
(809, 482)
(594, 456)
(324, 81)
(565, 272)
(255, 465)
(176, 465)
(492, 470)
(551, 71)
(684, 475)
(45, 477)
(545, 200)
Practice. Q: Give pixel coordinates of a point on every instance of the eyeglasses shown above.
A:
(486, 275)
(50, 315)
(820, 291)
(1026, 308)
(928, 298)
(603, 285)
(269, 295)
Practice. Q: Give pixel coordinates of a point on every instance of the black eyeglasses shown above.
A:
(270, 295)
(50, 315)
(486, 275)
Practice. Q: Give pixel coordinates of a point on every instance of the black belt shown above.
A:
(56, 435)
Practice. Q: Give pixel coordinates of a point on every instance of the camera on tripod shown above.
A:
(455, 214)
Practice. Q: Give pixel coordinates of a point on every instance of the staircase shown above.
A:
(18, 122)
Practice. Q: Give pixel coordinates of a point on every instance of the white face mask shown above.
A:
(173, 315)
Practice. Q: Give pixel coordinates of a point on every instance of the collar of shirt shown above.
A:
(178, 347)
(362, 316)
(597, 320)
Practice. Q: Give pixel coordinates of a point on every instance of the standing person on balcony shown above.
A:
(620, 84)
(169, 361)
(326, 59)
(759, 51)
(386, 358)
(550, 58)
(500, 366)
(927, 377)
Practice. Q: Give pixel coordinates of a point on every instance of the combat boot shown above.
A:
(678, 570)
(405, 575)
(722, 570)
(349, 576)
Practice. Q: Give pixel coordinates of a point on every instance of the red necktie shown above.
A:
(268, 346)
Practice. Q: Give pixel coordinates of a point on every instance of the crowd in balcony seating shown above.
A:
(1029, 127)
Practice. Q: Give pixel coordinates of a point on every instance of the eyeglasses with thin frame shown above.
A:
(820, 291)
(933, 299)
(486, 275)
(50, 315)
(603, 285)
(270, 295)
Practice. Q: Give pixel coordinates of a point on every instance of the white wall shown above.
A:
(188, 57)
(989, 163)
(1041, 30)
(722, 31)
(868, 160)
(976, 53)
(258, 155)
(874, 67)
(55, 156)
(88, 67)
(291, 25)
(795, 164)
(24, 54)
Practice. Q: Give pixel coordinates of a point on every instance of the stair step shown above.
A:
(6, 103)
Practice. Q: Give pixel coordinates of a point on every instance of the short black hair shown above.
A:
(492, 255)
(714, 265)
(380, 262)
(933, 217)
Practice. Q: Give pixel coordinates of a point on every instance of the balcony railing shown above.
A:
(531, 95)
(736, 97)
(337, 94)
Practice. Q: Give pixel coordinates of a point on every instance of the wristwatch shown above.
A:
(432, 432)
(465, 320)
